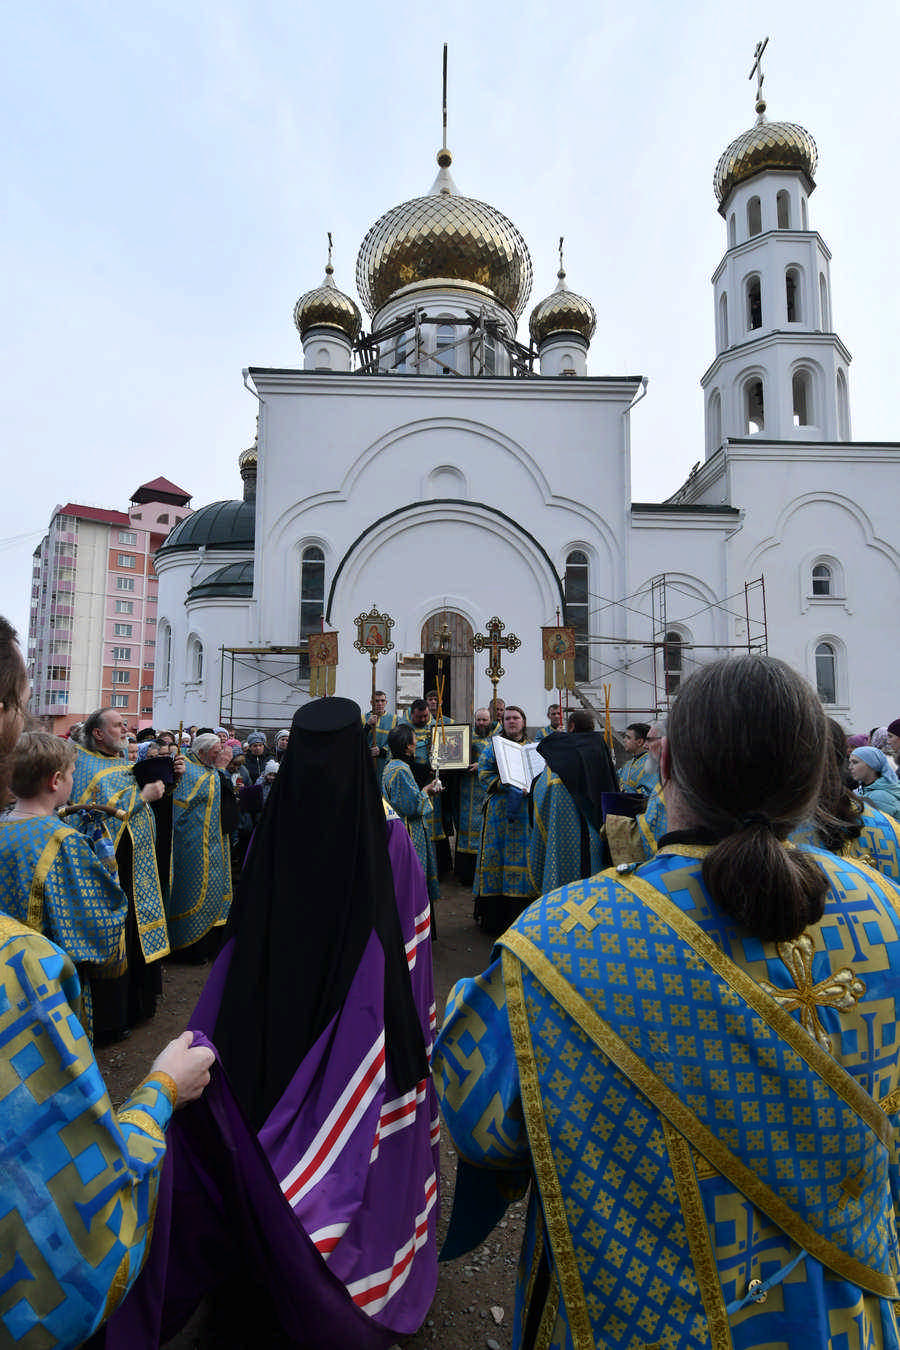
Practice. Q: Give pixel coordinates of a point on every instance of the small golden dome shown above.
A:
(767, 145)
(444, 236)
(248, 458)
(562, 311)
(327, 307)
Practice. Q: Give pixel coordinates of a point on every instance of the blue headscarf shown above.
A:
(876, 760)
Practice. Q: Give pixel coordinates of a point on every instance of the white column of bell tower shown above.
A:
(780, 370)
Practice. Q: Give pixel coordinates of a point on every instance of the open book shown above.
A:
(517, 765)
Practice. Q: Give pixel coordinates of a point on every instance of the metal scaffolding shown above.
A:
(244, 675)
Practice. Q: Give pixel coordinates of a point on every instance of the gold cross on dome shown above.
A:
(579, 914)
(756, 69)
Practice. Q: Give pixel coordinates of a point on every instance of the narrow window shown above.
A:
(754, 217)
(323, 359)
(803, 217)
(821, 579)
(400, 354)
(826, 672)
(754, 304)
(444, 348)
(714, 422)
(578, 608)
(792, 295)
(673, 660)
(312, 599)
(783, 202)
(823, 303)
(754, 409)
(489, 363)
(843, 407)
(723, 321)
(732, 231)
(801, 396)
(164, 654)
(195, 661)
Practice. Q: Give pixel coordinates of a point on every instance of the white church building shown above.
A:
(445, 469)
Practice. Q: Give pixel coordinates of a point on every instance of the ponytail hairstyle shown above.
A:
(838, 814)
(746, 740)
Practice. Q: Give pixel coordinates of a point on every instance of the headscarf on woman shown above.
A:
(877, 760)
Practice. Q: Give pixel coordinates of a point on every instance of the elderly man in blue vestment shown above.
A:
(697, 1061)
(104, 776)
(79, 1180)
(566, 843)
(200, 883)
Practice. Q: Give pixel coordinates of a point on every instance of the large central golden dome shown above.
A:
(444, 236)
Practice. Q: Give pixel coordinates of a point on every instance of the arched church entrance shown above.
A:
(459, 666)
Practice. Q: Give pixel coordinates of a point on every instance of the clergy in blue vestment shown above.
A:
(697, 1062)
(423, 723)
(103, 775)
(200, 879)
(471, 803)
(554, 722)
(502, 882)
(566, 844)
(379, 723)
(641, 772)
(50, 877)
(413, 804)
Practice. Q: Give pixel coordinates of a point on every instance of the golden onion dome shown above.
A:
(767, 145)
(327, 307)
(444, 236)
(248, 458)
(562, 311)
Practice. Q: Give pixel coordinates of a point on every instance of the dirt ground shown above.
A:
(474, 1291)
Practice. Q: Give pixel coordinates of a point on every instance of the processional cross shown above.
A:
(492, 642)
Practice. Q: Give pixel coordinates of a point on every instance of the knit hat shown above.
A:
(256, 738)
(858, 738)
(271, 767)
(284, 732)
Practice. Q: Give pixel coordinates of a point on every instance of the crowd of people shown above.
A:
(685, 1050)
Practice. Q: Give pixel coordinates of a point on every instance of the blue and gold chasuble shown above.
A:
(51, 880)
(101, 779)
(710, 1119)
(414, 806)
(554, 850)
(878, 843)
(435, 823)
(640, 774)
(653, 821)
(79, 1180)
(200, 870)
(503, 858)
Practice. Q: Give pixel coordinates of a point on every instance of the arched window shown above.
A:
(823, 303)
(754, 407)
(803, 217)
(578, 609)
(821, 579)
(754, 217)
(714, 422)
(801, 393)
(783, 203)
(732, 231)
(826, 672)
(843, 407)
(312, 599)
(792, 295)
(723, 321)
(673, 660)
(163, 654)
(444, 349)
(323, 359)
(195, 661)
(754, 303)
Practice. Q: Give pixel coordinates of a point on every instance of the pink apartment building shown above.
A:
(92, 632)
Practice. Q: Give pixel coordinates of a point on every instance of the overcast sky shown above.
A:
(171, 172)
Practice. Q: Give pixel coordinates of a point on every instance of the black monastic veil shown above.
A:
(315, 885)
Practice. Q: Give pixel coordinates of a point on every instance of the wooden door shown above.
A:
(460, 666)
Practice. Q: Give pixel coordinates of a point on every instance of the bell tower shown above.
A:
(780, 371)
